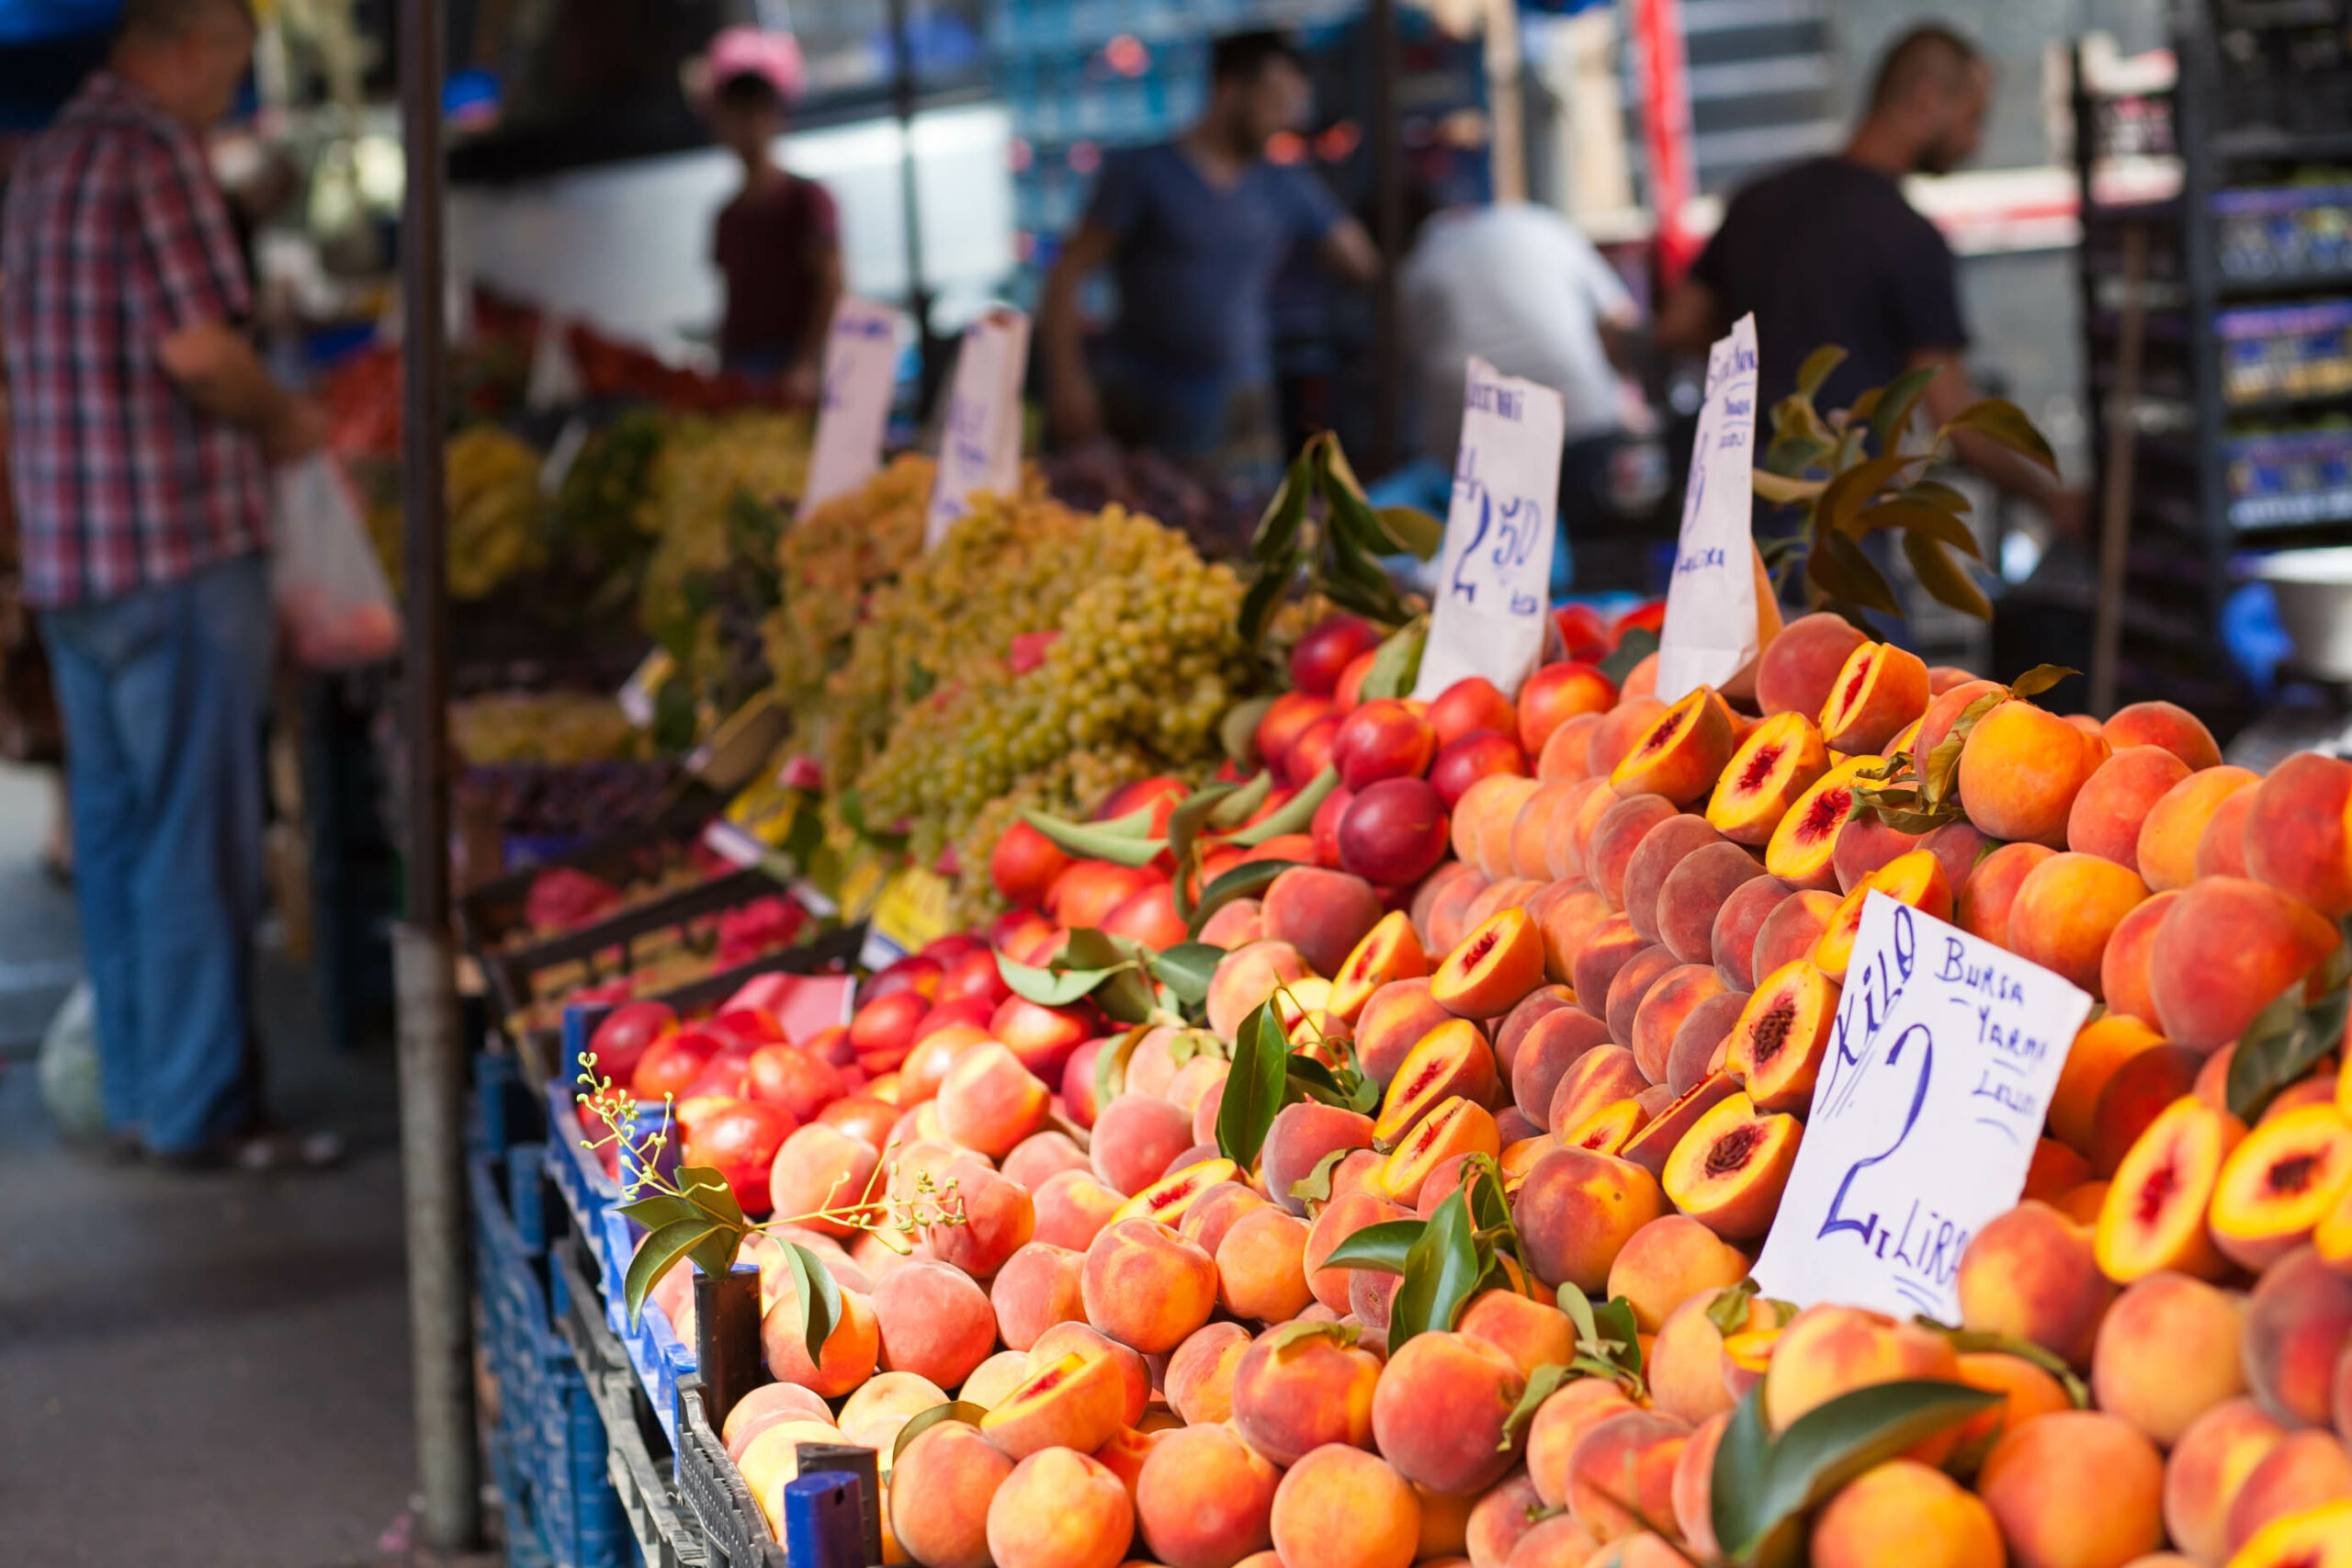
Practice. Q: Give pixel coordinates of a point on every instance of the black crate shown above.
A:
(714, 1492)
(490, 914)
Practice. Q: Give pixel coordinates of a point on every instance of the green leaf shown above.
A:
(1831, 1444)
(1846, 495)
(2282, 1044)
(1935, 493)
(1187, 822)
(1310, 1079)
(819, 1298)
(1049, 987)
(1735, 1485)
(1373, 603)
(1315, 1187)
(1895, 401)
(1265, 593)
(1782, 491)
(1542, 1385)
(1277, 535)
(1283, 1341)
(1296, 813)
(1234, 810)
(1185, 969)
(1728, 1311)
(1245, 881)
(1110, 1064)
(1816, 369)
(1398, 664)
(1579, 1307)
(1997, 419)
(922, 1421)
(707, 1189)
(1412, 530)
(2037, 680)
(1093, 840)
(1619, 1332)
(1637, 643)
(1945, 578)
(651, 1214)
(1238, 730)
(1934, 522)
(1441, 1273)
(1253, 1087)
(656, 1252)
(1384, 1247)
(1976, 1340)
(1841, 570)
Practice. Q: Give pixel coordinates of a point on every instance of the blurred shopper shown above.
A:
(1830, 251)
(142, 431)
(1518, 286)
(1193, 231)
(777, 242)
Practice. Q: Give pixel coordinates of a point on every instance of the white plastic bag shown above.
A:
(333, 604)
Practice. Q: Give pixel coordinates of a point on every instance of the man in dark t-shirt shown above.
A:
(777, 245)
(1829, 252)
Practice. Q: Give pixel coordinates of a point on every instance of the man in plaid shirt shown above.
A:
(144, 426)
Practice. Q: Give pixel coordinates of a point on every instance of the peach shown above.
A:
(2123, 974)
(767, 1404)
(2303, 1471)
(1531, 1333)
(1147, 1287)
(1200, 1371)
(1340, 1218)
(2099, 1050)
(2153, 1216)
(2277, 1186)
(1554, 1542)
(1681, 753)
(1300, 1137)
(2140, 1091)
(1986, 900)
(990, 1102)
(2298, 1320)
(2026, 1390)
(1684, 1365)
(1455, 1127)
(995, 1219)
(1599, 1078)
(1060, 1509)
(1261, 1268)
(2207, 1469)
(1701, 1043)
(1828, 1350)
(1667, 1262)
(1392, 1023)
(1236, 924)
(1576, 1210)
(2167, 724)
(1204, 1499)
(932, 1321)
(1072, 1209)
(1880, 690)
(1557, 693)
(2036, 1477)
(1135, 1137)
(1560, 1423)
(1438, 1409)
(1499, 1519)
(1246, 977)
(1729, 1169)
(1554, 1045)
(1214, 1211)
(2031, 1274)
(1631, 984)
(1798, 670)
(1483, 819)
(1731, 940)
(1495, 965)
(1077, 1338)
(2221, 849)
(1678, 993)
(1512, 1031)
(1660, 850)
(1452, 1059)
(2225, 949)
(1567, 848)
(1621, 1473)
(1041, 1157)
(1792, 930)
(1774, 766)
(942, 1484)
(2175, 824)
(2297, 836)
(1617, 833)
(1321, 914)
(1905, 1507)
(2021, 771)
(2066, 909)
(1620, 730)
(2117, 799)
(848, 1353)
(2167, 1352)
(1341, 1507)
(1611, 945)
(1803, 847)
(1302, 1387)
(821, 1168)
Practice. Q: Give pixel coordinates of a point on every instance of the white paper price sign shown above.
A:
(1495, 579)
(1942, 1060)
(861, 368)
(980, 447)
(1709, 630)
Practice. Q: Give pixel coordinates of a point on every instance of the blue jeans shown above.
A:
(163, 692)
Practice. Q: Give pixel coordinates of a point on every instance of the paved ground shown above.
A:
(195, 1371)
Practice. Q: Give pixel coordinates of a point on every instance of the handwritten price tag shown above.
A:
(1941, 1063)
(1495, 581)
(861, 368)
(1710, 632)
(980, 448)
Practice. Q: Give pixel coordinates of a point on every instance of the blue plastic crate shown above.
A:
(547, 1445)
(659, 1357)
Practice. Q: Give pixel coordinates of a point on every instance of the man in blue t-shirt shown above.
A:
(1192, 231)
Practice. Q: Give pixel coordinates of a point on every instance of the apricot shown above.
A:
(1342, 1218)
(1906, 1512)
(2226, 948)
(2296, 834)
(1392, 1023)
(1204, 1499)
(1495, 965)
(1135, 1137)
(2116, 801)
(2154, 1217)
(1828, 1350)
(1798, 671)
(1072, 1209)
(2298, 1320)
(942, 1484)
(1599, 1078)
(2287, 1174)
(1341, 1507)
(1551, 1047)
(1452, 1059)
(2066, 909)
(1060, 1509)
(1631, 984)
(1576, 1212)
(1777, 762)
(1438, 1412)
(1880, 690)
(1681, 753)
(2020, 769)
(2167, 1352)
(1660, 850)
(2303, 1471)
(1803, 844)
(2031, 1274)
(1729, 1169)
(2207, 1469)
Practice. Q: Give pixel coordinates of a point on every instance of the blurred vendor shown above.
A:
(1193, 231)
(777, 244)
(1829, 252)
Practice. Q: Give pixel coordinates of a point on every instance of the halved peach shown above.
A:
(1496, 963)
(1805, 837)
(1915, 879)
(1167, 1199)
(2154, 1217)
(1601, 1076)
(1880, 690)
(1777, 1047)
(1608, 1130)
(2277, 1186)
(1390, 951)
(1776, 763)
(1457, 1126)
(1681, 754)
(1654, 1143)
(1449, 1060)
(1075, 1401)
(1728, 1171)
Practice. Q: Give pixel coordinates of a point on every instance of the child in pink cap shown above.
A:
(777, 242)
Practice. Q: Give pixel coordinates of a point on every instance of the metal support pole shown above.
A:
(902, 107)
(431, 1065)
(1388, 229)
